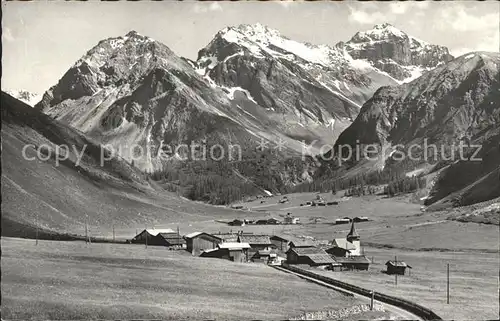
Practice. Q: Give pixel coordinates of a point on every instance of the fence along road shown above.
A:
(403, 309)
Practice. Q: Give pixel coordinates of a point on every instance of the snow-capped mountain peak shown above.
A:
(393, 51)
(25, 96)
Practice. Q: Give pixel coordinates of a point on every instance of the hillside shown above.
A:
(59, 198)
(453, 108)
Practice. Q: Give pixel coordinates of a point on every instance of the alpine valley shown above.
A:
(279, 101)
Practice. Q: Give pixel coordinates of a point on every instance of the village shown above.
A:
(275, 250)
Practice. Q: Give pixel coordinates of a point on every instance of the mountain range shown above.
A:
(251, 85)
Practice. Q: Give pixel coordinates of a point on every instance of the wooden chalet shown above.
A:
(312, 256)
(235, 252)
(151, 236)
(281, 243)
(260, 246)
(197, 242)
(302, 243)
(396, 267)
(358, 262)
(172, 240)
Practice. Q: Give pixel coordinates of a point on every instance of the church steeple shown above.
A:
(353, 235)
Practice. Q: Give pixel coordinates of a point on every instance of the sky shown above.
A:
(41, 40)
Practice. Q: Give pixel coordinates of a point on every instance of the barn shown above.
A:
(302, 243)
(197, 242)
(171, 240)
(261, 246)
(354, 262)
(235, 252)
(280, 242)
(312, 256)
(151, 236)
(396, 267)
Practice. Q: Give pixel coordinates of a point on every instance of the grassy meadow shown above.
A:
(71, 280)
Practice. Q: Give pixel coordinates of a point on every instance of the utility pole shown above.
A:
(396, 274)
(371, 301)
(448, 283)
(36, 242)
(178, 237)
(86, 230)
(90, 241)
(146, 235)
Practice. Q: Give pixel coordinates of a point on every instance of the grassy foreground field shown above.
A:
(69, 280)
(474, 281)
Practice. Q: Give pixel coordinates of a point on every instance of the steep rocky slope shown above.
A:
(453, 105)
(455, 101)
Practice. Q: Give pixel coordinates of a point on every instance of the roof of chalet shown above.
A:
(302, 243)
(343, 243)
(321, 258)
(191, 235)
(398, 264)
(307, 250)
(234, 246)
(277, 237)
(353, 260)
(196, 234)
(227, 237)
(155, 232)
(172, 238)
(254, 239)
(317, 255)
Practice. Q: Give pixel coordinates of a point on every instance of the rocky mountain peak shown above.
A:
(393, 51)
(256, 31)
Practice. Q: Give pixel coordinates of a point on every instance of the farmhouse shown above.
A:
(309, 255)
(171, 240)
(197, 242)
(281, 243)
(151, 236)
(273, 221)
(237, 222)
(354, 262)
(301, 243)
(261, 246)
(257, 242)
(396, 267)
(236, 252)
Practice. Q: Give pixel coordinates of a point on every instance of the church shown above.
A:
(348, 246)
(347, 251)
